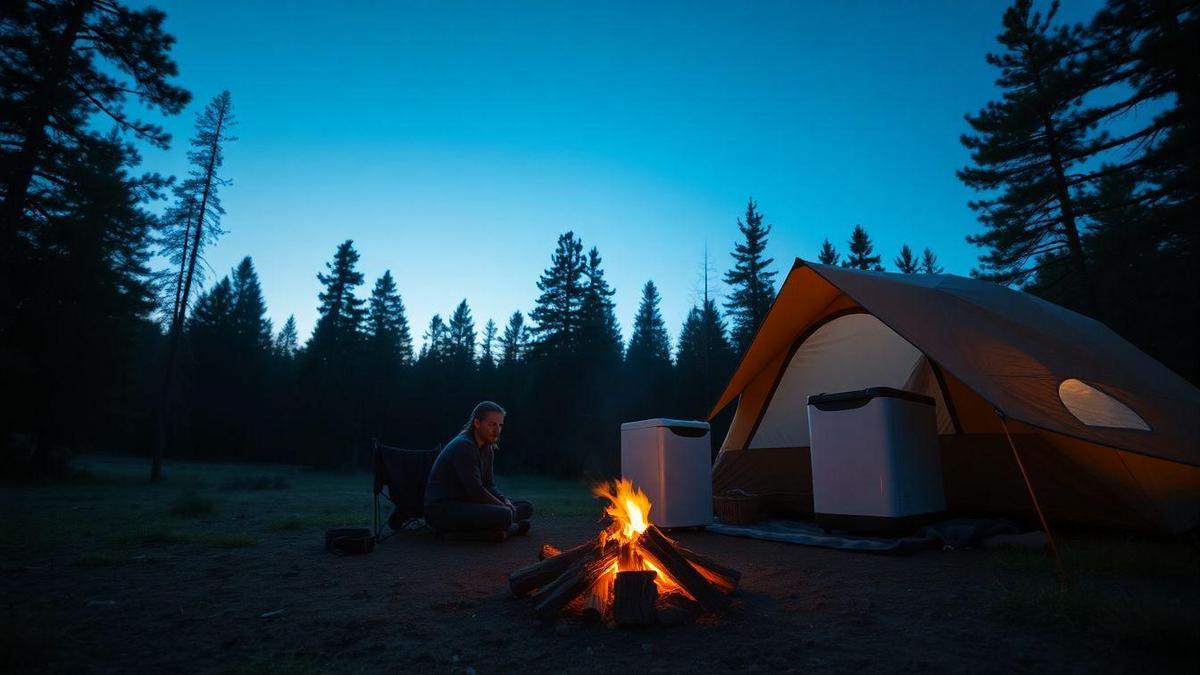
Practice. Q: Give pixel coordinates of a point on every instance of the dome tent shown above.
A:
(1109, 436)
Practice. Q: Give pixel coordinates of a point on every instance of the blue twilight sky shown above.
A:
(453, 142)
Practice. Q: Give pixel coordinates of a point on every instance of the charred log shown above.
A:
(667, 557)
(634, 598)
(580, 577)
(532, 577)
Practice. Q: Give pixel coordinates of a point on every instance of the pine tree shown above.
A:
(487, 347)
(390, 341)
(861, 248)
(198, 196)
(905, 262)
(214, 314)
(704, 359)
(250, 322)
(287, 340)
(63, 64)
(513, 343)
(752, 286)
(437, 348)
(1026, 150)
(929, 263)
(649, 346)
(557, 313)
(461, 336)
(1150, 47)
(340, 318)
(600, 333)
(828, 254)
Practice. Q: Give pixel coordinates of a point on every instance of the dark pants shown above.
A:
(456, 516)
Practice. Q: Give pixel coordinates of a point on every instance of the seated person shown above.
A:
(461, 495)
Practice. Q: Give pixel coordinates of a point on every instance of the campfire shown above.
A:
(630, 573)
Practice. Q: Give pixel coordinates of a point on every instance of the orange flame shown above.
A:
(629, 509)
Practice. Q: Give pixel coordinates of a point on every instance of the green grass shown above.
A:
(227, 541)
(257, 483)
(192, 505)
(1140, 593)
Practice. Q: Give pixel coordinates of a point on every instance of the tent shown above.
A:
(1108, 436)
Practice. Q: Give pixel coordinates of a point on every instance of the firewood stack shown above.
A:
(652, 578)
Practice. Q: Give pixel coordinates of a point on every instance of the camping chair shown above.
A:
(403, 473)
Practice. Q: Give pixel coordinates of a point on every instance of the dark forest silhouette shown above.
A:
(99, 351)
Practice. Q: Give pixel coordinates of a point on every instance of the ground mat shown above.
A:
(952, 534)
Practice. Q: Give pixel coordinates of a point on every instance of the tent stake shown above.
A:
(1062, 575)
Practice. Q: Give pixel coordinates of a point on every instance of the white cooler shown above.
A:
(875, 462)
(671, 462)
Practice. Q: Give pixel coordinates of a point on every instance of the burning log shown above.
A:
(651, 568)
(596, 603)
(579, 577)
(662, 550)
(725, 578)
(634, 597)
(677, 609)
(532, 577)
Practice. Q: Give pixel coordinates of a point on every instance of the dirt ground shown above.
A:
(185, 594)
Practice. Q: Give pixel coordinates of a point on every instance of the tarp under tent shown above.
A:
(1107, 435)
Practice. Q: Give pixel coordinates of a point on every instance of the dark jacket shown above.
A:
(462, 472)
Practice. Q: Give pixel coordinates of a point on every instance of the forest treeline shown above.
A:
(112, 337)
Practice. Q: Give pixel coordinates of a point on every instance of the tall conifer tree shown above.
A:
(828, 254)
(461, 335)
(557, 315)
(1027, 148)
(752, 286)
(287, 341)
(905, 262)
(514, 340)
(861, 256)
(250, 322)
(387, 324)
(929, 263)
(340, 316)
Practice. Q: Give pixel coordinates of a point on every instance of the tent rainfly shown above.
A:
(1108, 435)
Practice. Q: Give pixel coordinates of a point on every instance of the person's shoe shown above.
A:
(519, 528)
(395, 521)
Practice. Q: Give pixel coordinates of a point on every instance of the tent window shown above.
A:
(1096, 408)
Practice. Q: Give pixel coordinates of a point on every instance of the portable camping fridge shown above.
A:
(875, 461)
(671, 462)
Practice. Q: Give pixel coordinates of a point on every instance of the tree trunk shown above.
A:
(177, 324)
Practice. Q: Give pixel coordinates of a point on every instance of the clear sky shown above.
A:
(453, 142)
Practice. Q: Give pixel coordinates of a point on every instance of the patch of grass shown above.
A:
(290, 524)
(1141, 593)
(257, 483)
(146, 534)
(553, 497)
(340, 519)
(228, 541)
(192, 505)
